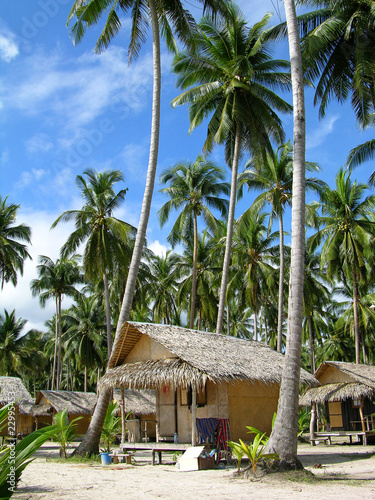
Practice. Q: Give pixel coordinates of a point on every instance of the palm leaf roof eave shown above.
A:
(202, 356)
(363, 374)
(336, 392)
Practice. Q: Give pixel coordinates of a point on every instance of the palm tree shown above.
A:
(339, 51)
(84, 334)
(346, 231)
(106, 237)
(18, 351)
(162, 288)
(12, 252)
(283, 439)
(253, 256)
(273, 175)
(208, 267)
(56, 279)
(362, 153)
(88, 13)
(232, 76)
(193, 187)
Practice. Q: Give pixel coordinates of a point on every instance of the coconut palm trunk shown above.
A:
(90, 442)
(194, 276)
(228, 244)
(107, 314)
(55, 346)
(356, 321)
(281, 286)
(312, 343)
(283, 438)
(59, 363)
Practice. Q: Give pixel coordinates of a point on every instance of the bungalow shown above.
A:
(13, 391)
(347, 392)
(209, 387)
(78, 404)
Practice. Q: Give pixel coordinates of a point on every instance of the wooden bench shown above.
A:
(155, 448)
(125, 457)
(326, 436)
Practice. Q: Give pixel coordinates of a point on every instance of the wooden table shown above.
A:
(155, 448)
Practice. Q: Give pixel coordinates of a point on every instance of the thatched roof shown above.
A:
(195, 357)
(360, 382)
(12, 390)
(336, 392)
(364, 374)
(77, 403)
(142, 402)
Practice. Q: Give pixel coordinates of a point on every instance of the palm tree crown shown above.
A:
(12, 252)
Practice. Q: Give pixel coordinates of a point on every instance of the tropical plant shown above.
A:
(110, 426)
(193, 188)
(238, 451)
(15, 458)
(106, 237)
(65, 431)
(56, 279)
(232, 77)
(13, 253)
(256, 451)
(88, 13)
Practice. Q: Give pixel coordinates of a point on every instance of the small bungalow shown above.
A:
(140, 408)
(78, 404)
(209, 387)
(12, 390)
(347, 392)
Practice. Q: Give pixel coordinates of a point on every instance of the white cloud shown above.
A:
(29, 177)
(317, 137)
(8, 48)
(44, 242)
(39, 142)
(4, 159)
(158, 248)
(78, 91)
(135, 158)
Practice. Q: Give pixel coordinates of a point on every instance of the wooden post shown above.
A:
(194, 417)
(361, 415)
(122, 416)
(312, 424)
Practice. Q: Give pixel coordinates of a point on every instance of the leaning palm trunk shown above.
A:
(59, 363)
(55, 346)
(90, 443)
(355, 306)
(312, 344)
(281, 287)
(194, 276)
(228, 244)
(107, 314)
(283, 438)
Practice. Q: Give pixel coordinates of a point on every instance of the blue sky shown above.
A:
(64, 109)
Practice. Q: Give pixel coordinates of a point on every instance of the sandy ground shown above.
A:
(341, 472)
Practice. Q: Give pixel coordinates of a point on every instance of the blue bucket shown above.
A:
(106, 458)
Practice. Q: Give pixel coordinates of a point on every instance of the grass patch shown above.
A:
(87, 459)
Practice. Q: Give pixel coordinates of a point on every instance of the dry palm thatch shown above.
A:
(12, 390)
(195, 357)
(139, 402)
(364, 374)
(336, 392)
(78, 403)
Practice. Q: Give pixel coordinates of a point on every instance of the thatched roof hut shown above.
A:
(77, 403)
(199, 378)
(194, 358)
(341, 381)
(12, 390)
